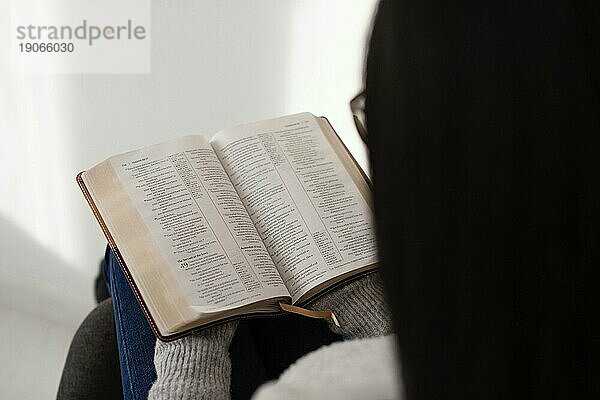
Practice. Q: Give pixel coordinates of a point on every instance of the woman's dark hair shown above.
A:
(484, 133)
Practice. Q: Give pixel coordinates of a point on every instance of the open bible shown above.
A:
(256, 220)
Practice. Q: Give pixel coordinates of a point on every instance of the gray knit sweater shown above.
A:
(198, 366)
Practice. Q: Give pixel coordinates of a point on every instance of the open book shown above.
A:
(260, 217)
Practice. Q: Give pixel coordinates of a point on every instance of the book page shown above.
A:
(199, 224)
(305, 205)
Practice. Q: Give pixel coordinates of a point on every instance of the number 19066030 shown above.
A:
(46, 47)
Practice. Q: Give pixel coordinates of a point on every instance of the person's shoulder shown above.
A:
(352, 369)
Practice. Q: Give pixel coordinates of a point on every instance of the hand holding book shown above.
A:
(360, 305)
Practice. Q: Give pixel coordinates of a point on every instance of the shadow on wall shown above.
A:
(35, 280)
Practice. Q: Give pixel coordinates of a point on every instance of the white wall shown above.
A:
(214, 64)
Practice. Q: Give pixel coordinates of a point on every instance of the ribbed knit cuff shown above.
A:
(360, 307)
(194, 367)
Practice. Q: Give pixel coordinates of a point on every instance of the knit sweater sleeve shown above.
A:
(194, 367)
(360, 307)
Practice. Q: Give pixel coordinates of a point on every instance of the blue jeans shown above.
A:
(261, 350)
(134, 337)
